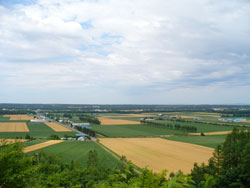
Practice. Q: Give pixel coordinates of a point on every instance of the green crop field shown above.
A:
(75, 150)
(37, 130)
(4, 118)
(209, 141)
(132, 130)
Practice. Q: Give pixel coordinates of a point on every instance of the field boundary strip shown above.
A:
(41, 145)
(58, 127)
(14, 127)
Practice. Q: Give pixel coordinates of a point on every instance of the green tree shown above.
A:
(15, 168)
(230, 164)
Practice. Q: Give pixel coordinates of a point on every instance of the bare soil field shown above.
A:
(159, 154)
(10, 141)
(41, 145)
(109, 121)
(13, 127)
(57, 127)
(19, 117)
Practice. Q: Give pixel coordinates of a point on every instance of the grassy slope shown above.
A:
(132, 130)
(209, 141)
(75, 150)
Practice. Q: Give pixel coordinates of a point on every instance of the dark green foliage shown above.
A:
(90, 119)
(13, 167)
(27, 136)
(175, 126)
(54, 137)
(88, 131)
(230, 164)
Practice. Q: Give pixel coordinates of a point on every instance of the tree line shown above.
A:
(90, 119)
(89, 132)
(205, 122)
(170, 126)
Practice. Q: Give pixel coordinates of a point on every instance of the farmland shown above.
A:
(41, 145)
(132, 130)
(159, 154)
(147, 144)
(37, 130)
(109, 121)
(57, 127)
(13, 127)
(18, 117)
(71, 150)
(208, 141)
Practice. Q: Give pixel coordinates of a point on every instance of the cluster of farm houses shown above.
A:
(79, 137)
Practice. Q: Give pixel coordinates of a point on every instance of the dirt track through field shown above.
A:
(57, 127)
(13, 127)
(19, 117)
(11, 141)
(159, 154)
(41, 145)
(109, 121)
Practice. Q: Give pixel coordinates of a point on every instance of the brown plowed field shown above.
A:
(13, 127)
(10, 141)
(159, 154)
(19, 117)
(109, 121)
(57, 127)
(41, 145)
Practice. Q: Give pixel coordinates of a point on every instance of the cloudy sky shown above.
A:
(126, 52)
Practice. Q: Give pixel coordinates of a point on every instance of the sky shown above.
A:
(125, 52)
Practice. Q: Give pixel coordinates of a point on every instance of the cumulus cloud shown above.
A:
(132, 49)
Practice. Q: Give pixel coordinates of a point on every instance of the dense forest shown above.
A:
(229, 167)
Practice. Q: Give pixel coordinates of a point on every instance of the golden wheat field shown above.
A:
(57, 127)
(11, 141)
(19, 117)
(13, 127)
(159, 154)
(109, 121)
(188, 117)
(41, 145)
